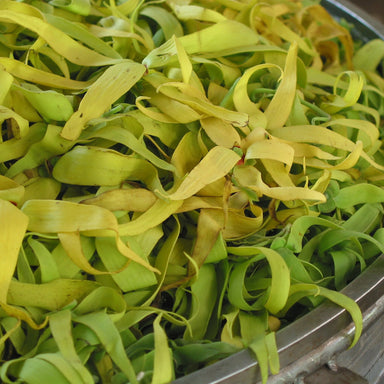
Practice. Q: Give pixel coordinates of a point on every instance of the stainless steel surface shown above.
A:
(340, 376)
(324, 334)
(367, 357)
(373, 7)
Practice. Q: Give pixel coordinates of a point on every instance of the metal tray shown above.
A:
(324, 334)
(366, 26)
